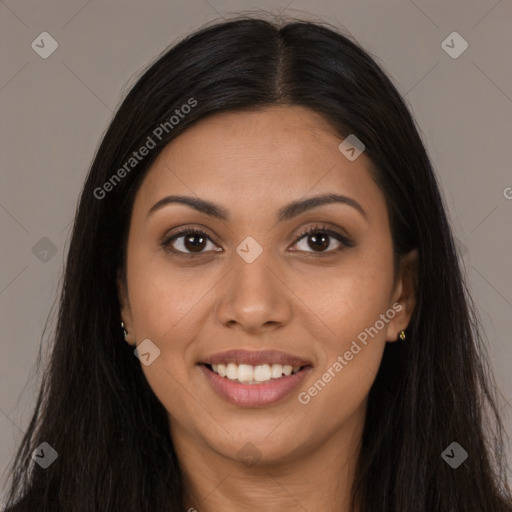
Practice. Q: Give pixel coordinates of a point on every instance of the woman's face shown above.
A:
(254, 282)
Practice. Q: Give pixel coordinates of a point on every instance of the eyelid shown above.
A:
(334, 232)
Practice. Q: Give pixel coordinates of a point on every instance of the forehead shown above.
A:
(258, 159)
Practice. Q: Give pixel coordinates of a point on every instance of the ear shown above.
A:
(404, 293)
(126, 315)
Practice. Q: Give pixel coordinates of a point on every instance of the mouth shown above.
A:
(254, 379)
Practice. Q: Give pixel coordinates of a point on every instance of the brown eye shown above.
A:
(319, 240)
(188, 242)
(194, 242)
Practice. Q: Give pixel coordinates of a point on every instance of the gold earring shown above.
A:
(402, 335)
(124, 332)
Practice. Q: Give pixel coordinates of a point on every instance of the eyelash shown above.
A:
(346, 243)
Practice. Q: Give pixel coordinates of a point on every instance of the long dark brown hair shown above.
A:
(95, 407)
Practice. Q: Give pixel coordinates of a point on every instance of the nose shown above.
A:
(253, 297)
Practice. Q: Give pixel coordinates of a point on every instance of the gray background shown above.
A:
(54, 111)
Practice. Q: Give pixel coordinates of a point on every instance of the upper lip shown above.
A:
(256, 358)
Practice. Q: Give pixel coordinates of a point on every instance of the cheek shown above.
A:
(165, 298)
(351, 348)
(165, 302)
(351, 297)
(166, 306)
(350, 302)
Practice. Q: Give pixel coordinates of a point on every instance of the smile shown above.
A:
(251, 392)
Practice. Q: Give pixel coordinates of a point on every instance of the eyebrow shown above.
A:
(285, 213)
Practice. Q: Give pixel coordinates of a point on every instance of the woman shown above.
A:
(263, 307)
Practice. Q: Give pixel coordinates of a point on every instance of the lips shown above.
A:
(264, 389)
(254, 395)
(255, 358)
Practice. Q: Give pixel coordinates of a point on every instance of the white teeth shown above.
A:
(231, 371)
(248, 374)
(262, 373)
(245, 372)
(276, 371)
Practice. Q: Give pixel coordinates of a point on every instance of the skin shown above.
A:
(312, 303)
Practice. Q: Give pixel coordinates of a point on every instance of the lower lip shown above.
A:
(254, 395)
